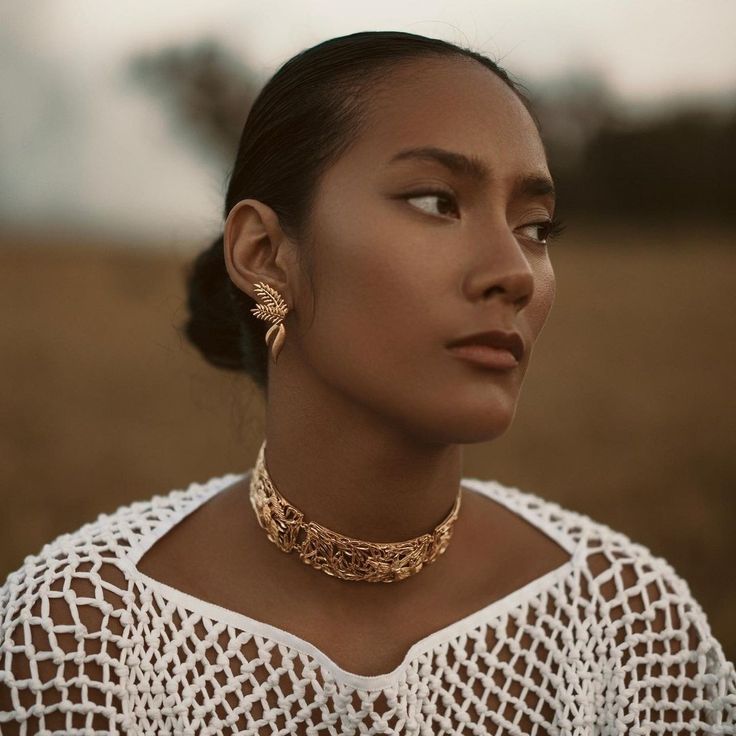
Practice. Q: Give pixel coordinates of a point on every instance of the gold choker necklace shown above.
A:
(334, 553)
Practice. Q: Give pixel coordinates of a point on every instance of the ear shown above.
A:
(256, 248)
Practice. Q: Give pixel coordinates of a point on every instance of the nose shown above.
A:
(504, 271)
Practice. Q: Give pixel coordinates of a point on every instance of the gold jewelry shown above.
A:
(273, 310)
(334, 553)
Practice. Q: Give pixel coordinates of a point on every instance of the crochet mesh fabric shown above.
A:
(612, 642)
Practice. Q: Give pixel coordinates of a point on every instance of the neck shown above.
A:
(344, 468)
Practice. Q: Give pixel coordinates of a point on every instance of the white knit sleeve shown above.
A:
(664, 672)
(61, 646)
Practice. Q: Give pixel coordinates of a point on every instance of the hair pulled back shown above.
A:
(307, 114)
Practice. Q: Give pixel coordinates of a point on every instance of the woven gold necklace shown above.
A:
(334, 553)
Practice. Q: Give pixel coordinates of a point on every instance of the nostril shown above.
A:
(519, 301)
(523, 300)
(492, 290)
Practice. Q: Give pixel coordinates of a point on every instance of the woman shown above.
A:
(382, 275)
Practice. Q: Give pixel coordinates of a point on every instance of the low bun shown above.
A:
(220, 324)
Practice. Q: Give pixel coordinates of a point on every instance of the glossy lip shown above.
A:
(510, 341)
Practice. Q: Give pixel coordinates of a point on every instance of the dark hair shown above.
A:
(305, 117)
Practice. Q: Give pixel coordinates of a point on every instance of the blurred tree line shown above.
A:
(677, 164)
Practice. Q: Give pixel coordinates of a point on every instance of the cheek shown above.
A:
(372, 308)
(543, 297)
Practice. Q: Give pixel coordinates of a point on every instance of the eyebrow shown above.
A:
(472, 167)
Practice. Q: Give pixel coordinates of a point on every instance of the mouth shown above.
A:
(492, 349)
(498, 339)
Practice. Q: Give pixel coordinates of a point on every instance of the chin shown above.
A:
(468, 422)
(481, 431)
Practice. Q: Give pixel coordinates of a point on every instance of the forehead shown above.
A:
(451, 103)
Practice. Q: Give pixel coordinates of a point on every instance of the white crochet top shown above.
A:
(611, 642)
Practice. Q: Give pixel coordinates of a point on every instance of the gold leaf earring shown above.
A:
(274, 310)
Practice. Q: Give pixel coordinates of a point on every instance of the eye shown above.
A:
(428, 195)
(546, 230)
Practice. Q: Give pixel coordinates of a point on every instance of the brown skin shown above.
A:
(367, 411)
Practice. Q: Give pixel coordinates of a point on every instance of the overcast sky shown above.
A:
(81, 144)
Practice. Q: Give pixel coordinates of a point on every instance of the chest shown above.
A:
(365, 628)
(496, 676)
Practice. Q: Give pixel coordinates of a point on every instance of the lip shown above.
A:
(492, 343)
(486, 356)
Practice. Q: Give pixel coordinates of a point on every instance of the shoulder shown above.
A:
(639, 627)
(616, 568)
(67, 619)
(581, 532)
(608, 554)
(102, 545)
(658, 654)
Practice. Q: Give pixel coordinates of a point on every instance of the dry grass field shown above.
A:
(627, 412)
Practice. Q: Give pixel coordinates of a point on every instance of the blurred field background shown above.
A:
(627, 412)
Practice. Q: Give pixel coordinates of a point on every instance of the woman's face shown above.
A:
(398, 272)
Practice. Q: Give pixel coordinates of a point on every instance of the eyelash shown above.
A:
(555, 226)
